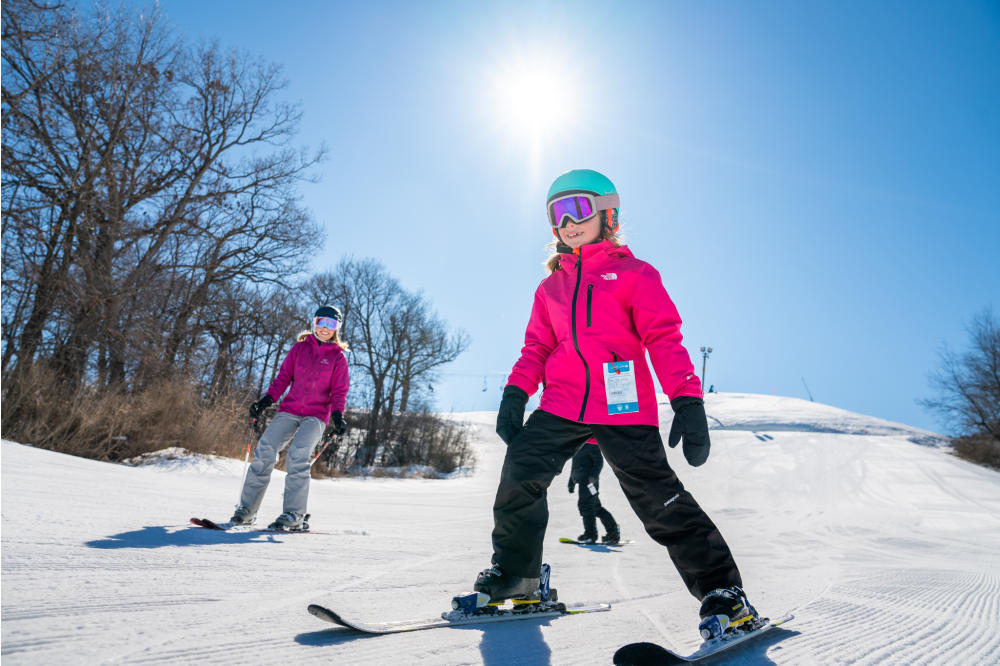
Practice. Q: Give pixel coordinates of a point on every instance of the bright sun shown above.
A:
(535, 97)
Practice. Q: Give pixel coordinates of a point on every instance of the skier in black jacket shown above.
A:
(586, 473)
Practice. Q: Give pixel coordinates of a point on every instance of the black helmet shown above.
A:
(329, 311)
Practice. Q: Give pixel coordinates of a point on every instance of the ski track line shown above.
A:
(955, 491)
(921, 630)
(983, 606)
(222, 652)
(292, 601)
(294, 604)
(71, 610)
(623, 588)
(14, 646)
(852, 620)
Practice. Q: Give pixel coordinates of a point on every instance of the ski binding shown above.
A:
(473, 608)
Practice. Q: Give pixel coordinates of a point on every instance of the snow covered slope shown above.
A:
(887, 551)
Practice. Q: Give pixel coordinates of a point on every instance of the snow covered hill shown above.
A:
(884, 544)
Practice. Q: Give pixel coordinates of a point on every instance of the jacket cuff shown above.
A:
(515, 391)
(520, 383)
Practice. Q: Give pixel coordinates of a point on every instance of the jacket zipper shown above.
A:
(576, 340)
(590, 298)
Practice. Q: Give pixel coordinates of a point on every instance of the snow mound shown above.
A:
(179, 459)
(766, 413)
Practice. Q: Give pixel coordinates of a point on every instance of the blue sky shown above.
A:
(817, 183)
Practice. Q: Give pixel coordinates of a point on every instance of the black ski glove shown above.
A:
(510, 418)
(338, 423)
(257, 408)
(690, 423)
(572, 485)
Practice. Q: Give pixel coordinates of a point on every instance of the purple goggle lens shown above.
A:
(578, 208)
(326, 322)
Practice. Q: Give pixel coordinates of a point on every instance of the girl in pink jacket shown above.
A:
(315, 375)
(593, 321)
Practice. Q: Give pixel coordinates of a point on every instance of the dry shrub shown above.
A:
(982, 449)
(410, 439)
(115, 425)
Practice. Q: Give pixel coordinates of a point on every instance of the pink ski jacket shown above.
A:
(602, 306)
(319, 378)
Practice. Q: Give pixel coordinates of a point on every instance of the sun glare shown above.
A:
(535, 98)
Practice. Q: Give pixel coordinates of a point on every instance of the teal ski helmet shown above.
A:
(588, 181)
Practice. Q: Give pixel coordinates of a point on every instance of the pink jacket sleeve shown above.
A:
(659, 326)
(341, 384)
(539, 341)
(285, 375)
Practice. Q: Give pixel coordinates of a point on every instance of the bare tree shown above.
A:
(153, 232)
(967, 384)
(149, 188)
(397, 341)
(426, 344)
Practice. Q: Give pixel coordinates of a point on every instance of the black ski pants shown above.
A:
(669, 513)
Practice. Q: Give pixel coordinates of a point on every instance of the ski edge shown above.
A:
(663, 656)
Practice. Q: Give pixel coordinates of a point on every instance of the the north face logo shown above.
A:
(610, 276)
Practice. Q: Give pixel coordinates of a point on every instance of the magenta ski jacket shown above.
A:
(601, 308)
(319, 378)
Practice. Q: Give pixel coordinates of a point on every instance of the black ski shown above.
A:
(651, 654)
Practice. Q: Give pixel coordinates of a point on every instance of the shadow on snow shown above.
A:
(159, 536)
(502, 642)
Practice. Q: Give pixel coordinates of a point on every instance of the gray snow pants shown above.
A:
(304, 432)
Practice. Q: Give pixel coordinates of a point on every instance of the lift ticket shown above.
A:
(619, 384)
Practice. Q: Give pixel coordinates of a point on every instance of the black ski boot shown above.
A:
(589, 530)
(494, 588)
(725, 610)
(501, 586)
(614, 534)
(612, 537)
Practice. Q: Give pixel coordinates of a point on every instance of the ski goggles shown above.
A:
(578, 208)
(326, 322)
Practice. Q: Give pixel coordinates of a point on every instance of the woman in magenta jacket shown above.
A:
(594, 319)
(316, 370)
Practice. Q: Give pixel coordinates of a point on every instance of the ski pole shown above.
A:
(326, 443)
(246, 458)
